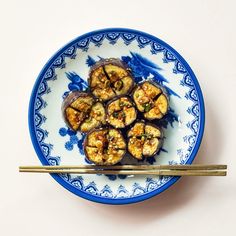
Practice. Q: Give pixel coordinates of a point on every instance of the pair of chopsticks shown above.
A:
(164, 170)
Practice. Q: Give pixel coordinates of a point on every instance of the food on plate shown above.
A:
(121, 112)
(109, 78)
(104, 146)
(82, 112)
(113, 103)
(144, 140)
(151, 100)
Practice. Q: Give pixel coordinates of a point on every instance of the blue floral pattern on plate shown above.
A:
(149, 58)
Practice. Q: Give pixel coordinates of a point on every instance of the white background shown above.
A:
(203, 32)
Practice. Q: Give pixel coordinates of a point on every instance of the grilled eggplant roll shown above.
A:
(151, 100)
(104, 146)
(81, 112)
(121, 112)
(109, 78)
(145, 140)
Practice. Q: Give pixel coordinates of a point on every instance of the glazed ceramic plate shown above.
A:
(149, 59)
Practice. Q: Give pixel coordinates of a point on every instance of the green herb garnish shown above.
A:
(107, 84)
(147, 107)
(122, 114)
(121, 104)
(118, 85)
(124, 104)
(115, 114)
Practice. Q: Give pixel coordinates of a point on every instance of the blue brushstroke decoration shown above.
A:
(157, 77)
(71, 132)
(77, 83)
(90, 61)
(111, 177)
(171, 92)
(142, 68)
(63, 131)
(65, 94)
(69, 146)
(73, 139)
(80, 144)
(88, 162)
(122, 176)
(169, 118)
(151, 160)
(144, 61)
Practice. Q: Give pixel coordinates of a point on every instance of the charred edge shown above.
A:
(167, 103)
(108, 77)
(77, 94)
(79, 110)
(120, 78)
(157, 96)
(106, 74)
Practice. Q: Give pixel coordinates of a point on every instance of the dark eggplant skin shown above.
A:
(105, 128)
(163, 92)
(115, 62)
(104, 62)
(118, 98)
(160, 139)
(72, 96)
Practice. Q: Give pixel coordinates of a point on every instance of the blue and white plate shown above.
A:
(149, 58)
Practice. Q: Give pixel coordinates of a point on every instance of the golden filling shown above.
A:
(121, 112)
(150, 100)
(144, 140)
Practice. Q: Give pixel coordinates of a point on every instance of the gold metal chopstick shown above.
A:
(130, 167)
(131, 172)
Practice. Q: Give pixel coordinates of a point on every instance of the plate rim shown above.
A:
(100, 199)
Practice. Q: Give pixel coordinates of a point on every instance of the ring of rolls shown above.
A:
(107, 112)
